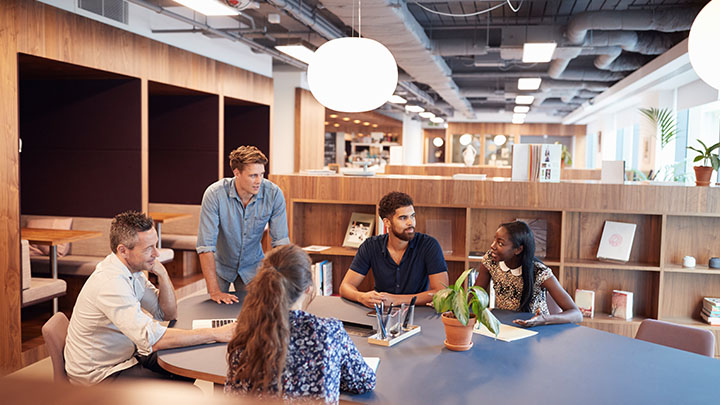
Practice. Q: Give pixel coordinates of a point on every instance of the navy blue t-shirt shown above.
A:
(422, 257)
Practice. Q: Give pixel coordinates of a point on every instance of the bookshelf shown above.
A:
(672, 222)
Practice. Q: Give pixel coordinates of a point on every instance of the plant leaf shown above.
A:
(442, 300)
(715, 162)
(460, 307)
(481, 296)
(459, 282)
(698, 158)
(488, 319)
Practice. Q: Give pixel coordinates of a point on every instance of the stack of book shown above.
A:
(711, 311)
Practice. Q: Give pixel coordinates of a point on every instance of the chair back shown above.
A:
(54, 332)
(688, 338)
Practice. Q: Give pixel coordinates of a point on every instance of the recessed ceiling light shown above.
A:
(367, 124)
(427, 114)
(529, 83)
(437, 120)
(521, 109)
(538, 52)
(297, 51)
(374, 125)
(208, 7)
(414, 108)
(333, 115)
(356, 121)
(327, 123)
(336, 125)
(397, 99)
(524, 99)
(346, 118)
(518, 119)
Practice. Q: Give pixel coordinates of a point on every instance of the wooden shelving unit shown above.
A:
(672, 222)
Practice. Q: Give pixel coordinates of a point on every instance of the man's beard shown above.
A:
(403, 236)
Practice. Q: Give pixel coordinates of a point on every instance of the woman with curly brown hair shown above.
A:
(281, 351)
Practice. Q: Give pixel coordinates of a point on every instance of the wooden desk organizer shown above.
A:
(391, 340)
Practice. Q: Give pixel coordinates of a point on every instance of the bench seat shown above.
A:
(43, 289)
(179, 242)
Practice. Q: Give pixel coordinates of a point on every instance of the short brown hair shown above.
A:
(392, 201)
(125, 227)
(246, 155)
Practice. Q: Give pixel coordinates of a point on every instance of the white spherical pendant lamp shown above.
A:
(352, 74)
(703, 47)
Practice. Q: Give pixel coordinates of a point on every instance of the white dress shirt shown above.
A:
(108, 325)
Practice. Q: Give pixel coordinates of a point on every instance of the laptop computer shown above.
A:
(211, 323)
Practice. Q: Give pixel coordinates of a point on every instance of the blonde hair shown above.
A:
(246, 155)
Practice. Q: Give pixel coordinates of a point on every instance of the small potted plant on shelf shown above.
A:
(704, 172)
(460, 307)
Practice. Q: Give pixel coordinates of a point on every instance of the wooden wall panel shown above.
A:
(245, 125)
(309, 131)
(449, 169)
(10, 341)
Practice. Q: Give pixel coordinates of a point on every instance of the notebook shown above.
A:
(211, 323)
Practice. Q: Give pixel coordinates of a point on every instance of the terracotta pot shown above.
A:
(457, 336)
(702, 175)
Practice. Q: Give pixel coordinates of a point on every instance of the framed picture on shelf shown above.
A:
(359, 229)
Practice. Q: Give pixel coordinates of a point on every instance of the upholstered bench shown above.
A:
(180, 236)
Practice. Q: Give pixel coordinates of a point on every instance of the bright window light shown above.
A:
(518, 119)
(208, 7)
(437, 120)
(538, 52)
(298, 51)
(524, 99)
(522, 109)
(414, 108)
(395, 99)
(529, 83)
(427, 114)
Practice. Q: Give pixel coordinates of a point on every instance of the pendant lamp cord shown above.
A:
(359, 18)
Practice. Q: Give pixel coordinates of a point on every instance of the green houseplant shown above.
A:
(704, 172)
(460, 306)
(664, 120)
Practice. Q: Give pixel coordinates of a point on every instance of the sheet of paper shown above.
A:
(507, 333)
(372, 362)
(315, 248)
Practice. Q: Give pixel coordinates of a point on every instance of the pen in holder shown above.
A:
(395, 327)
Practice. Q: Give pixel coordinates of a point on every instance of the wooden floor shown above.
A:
(35, 316)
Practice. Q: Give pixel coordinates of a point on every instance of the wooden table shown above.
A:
(53, 238)
(161, 217)
(562, 364)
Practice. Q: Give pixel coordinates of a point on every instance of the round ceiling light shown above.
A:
(500, 140)
(352, 74)
(465, 139)
(702, 45)
(438, 142)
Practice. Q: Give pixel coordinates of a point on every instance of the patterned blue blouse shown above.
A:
(321, 361)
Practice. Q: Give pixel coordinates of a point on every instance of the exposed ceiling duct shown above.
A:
(391, 24)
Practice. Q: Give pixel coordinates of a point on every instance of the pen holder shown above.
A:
(390, 340)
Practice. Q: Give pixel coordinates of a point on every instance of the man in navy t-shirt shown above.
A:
(405, 263)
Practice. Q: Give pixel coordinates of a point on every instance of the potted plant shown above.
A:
(460, 307)
(704, 172)
(565, 156)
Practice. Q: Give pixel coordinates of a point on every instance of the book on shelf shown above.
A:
(539, 229)
(359, 229)
(322, 277)
(315, 248)
(622, 304)
(712, 320)
(536, 162)
(616, 241)
(585, 300)
(711, 304)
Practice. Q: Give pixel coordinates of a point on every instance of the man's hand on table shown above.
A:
(223, 298)
(370, 298)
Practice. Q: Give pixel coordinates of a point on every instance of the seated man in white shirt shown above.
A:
(110, 336)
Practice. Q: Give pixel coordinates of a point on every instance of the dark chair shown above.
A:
(695, 340)
(54, 332)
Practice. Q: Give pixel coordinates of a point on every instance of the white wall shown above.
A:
(282, 140)
(412, 139)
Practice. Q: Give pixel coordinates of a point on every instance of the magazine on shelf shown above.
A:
(622, 304)
(359, 229)
(585, 300)
(539, 229)
(616, 241)
(536, 162)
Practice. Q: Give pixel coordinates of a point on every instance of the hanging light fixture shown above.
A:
(465, 139)
(702, 44)
(352, 74)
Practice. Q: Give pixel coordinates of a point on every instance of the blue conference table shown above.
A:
(562, 364)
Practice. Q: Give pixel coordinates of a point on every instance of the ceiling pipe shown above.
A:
(224, 34)
(671, 20)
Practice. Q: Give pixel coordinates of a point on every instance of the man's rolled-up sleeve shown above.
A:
(278, 221)
(208, 227)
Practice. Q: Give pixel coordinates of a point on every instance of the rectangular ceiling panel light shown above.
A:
(521, 109)
(395, 99)
(299, 52)
(538, 52)
(524, 99)
(529, 83)
(414, 108)
(208, 7)
(518, 119)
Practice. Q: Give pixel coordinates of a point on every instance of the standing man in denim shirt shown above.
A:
(232, 221)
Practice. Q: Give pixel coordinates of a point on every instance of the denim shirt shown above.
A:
(234, 232)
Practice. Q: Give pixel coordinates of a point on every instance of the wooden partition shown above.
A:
(448, 169)
(183, 143)
(309, 131)
(42, 31)
(245, 124)
(672, 221)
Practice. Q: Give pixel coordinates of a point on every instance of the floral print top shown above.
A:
(508, 286)
(321, 361)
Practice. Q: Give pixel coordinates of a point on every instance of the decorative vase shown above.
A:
(458, 337)
(702, 175)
